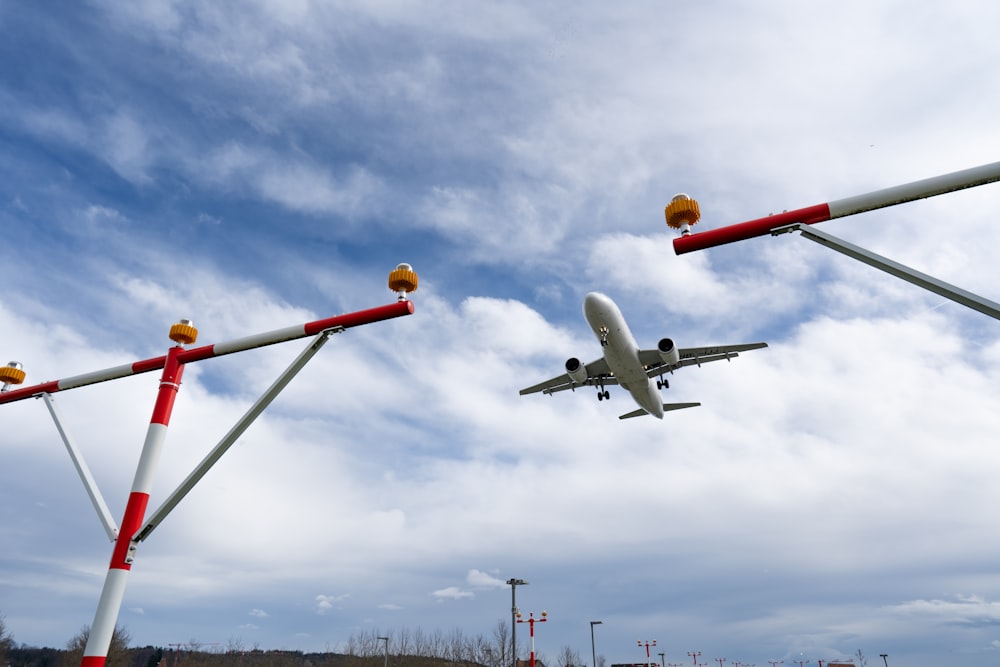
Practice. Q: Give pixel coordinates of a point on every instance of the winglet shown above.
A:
(666, 407)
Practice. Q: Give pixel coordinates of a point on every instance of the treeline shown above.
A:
(405, 648)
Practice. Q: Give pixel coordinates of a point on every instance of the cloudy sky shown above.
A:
(257, 165)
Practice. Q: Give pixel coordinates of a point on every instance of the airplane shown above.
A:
(624, 364)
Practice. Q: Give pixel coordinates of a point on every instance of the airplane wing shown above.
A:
(598, 373)
(693, 356)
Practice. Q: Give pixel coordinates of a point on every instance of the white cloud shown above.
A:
(326, 603)
(452, 593)
(480, 579)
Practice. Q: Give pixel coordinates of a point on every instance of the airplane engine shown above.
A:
(577, 372)
(668, 351)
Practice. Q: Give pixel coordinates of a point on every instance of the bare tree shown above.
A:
(569, 658)
(862, 660)
(117, 651)
(501, 643)
(6, 641)
(235, 646)
(403, 642)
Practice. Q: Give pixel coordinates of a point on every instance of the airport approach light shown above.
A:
(134, 526)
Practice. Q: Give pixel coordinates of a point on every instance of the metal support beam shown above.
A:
(930, 283)
(103, 513)
(234, 433)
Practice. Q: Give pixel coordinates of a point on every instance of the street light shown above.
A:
(593, 651)
(386, 640)
(663, 659)
(885, 658)
(514, 583)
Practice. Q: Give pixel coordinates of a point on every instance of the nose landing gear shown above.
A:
(604, 336)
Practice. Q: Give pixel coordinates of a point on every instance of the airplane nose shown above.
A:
(593, 304)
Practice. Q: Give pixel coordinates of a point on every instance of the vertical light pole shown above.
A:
(885, 658)
(776, 662)
(647, 645)
(531, 629)
(694, 656)
(720, 661)
(514, 583)
(663, 659)
(593, 651)
(386, 661)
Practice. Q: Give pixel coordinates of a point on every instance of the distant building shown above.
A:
(840, 664)
(539, 663)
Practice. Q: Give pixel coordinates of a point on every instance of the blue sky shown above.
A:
(256, 165)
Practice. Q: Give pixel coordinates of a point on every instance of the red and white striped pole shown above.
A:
(531, 629)
(647, 645)
(99, 641)
(681, 212)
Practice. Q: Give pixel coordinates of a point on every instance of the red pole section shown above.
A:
(929, 187)
(99, 641)
(346, 321)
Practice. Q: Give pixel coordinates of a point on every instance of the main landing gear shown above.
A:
(662, 384)
(602, 393)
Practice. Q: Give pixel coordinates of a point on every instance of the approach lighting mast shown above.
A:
(647, 644)
(135, 527)
(531, 629)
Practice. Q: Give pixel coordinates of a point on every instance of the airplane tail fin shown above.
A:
(666, 407)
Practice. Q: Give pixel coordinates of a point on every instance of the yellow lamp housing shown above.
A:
(183, 333)
(682, 210)
(403, 280)
(12, 373)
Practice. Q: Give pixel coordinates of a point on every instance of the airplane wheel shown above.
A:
(600, 396)
(607, 396)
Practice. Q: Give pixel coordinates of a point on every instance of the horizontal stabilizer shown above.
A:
(666, 408)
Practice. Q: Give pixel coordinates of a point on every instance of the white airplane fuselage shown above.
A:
(621, 351)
